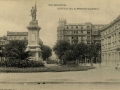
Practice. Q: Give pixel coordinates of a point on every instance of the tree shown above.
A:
(46, 52)
(16, 49)
(81, 50)
(93, 51)
(98, 51)
(60, 48)
(68, 56)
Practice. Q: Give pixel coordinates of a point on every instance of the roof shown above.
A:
(17, 33)
(99, 24)
(85, 24)
(3, 38)
(75, 24)
(111, 23)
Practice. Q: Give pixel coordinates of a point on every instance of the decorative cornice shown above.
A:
(111, 23)
(33, 25)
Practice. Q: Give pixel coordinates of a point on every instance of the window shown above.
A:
(93, 26)
(19, 38)
(14, 38)
(76, 27)
(84, 38)
(113, 28)
(71, 27)
(118, 24)
(88, 37)
(81, 27)
(25, 38)
(76, 38)
(88, 27)
(88, 32)
(88, 42)
(10, 38)
(66, 37)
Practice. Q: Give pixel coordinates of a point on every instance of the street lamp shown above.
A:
(99, 58)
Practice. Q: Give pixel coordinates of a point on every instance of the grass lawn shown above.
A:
(45, 69)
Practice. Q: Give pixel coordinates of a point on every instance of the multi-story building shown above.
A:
(3, 41)
(75, 33)
(110, 42)
(17, 35)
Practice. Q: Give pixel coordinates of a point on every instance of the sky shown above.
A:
(15, 15)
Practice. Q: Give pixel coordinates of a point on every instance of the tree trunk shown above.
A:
(1, 58)
(91, 61)
(85, 60)
(76, 61)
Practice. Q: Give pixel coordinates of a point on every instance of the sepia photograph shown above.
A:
(59, 44)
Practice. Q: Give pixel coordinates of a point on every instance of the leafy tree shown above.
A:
(46, 52)
(81, 50)
(98, 51)
(17, 56)
(68, 56)
(92, 52)
(16, 49)
(60, 48)
(67, 52)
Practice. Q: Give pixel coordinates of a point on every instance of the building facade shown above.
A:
(110, 42)
(3, 41)
(76, 33)
(17, 35)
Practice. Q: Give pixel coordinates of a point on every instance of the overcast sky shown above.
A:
(15, 15)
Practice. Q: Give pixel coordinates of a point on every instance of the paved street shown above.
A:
(102, 77)
(100, 74)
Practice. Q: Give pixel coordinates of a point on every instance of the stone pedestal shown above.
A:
(33, 41)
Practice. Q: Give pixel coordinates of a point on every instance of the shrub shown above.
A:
(52, 62)
(21, 63)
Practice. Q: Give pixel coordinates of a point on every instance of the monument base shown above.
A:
(33, 38)
(35, 53)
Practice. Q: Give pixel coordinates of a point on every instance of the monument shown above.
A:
(33, 37)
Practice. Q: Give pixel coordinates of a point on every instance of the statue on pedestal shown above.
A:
(33, 13)
(33, 37)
